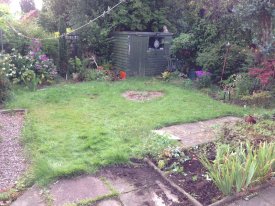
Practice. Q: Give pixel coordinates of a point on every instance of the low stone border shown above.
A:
(195, 202)
(8, 111)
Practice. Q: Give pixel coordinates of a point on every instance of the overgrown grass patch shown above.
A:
(77, 128)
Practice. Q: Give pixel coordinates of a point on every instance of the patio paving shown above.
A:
(192, 134)
(264, 198)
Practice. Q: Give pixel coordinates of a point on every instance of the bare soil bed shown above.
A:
(140, 96)
(12, 161)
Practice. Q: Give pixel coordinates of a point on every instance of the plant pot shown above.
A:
(122, 74)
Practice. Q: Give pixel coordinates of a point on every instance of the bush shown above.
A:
(4, 86)
(32, 29)
(203, 79)
(212, 58)
(244, 84)
(95, 74)
(30, 70)
(235, 169)
(262, 99)
(266, 74)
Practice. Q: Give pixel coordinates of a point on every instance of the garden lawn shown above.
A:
(77, 128)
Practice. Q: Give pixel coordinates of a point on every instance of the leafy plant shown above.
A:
(262, 99)
(33, 68)
(4, 86)
(266, 74)
(244, 84)
(203, 79)
(235, 169)
(166, 75)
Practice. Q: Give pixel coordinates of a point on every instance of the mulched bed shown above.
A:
(195, 182)
(12, 161)
(193, 178)
(142, 95)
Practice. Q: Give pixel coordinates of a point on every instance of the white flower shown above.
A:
(3, 69)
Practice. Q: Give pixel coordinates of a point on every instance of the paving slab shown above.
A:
(264, 198)
(192, 134)
(32, 197)
(268, 195)
(77, 189)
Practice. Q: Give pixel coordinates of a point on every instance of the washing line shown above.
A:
(72, 31)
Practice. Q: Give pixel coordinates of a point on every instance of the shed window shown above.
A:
(156, 43)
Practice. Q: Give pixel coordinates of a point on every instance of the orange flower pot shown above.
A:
(122, 74)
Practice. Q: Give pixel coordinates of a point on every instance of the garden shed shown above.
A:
(141, 53)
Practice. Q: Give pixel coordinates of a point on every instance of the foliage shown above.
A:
(203, 79)
(235, 169)
(32, 29)
(263, 131)
(166, 75)
(4, 85)
(212, 59)
(244, 84)
(94, 74)
(258, 16)
(266, 74)
(30, 70)
(75, 65)
(27, 5)
(260, 99)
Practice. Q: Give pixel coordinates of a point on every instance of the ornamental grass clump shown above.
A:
(235, 169)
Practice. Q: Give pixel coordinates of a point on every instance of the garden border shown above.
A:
(7, 111)
(195, 202)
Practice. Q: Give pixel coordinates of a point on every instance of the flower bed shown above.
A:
(233, 166)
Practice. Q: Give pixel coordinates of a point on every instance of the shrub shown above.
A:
(266, 74)
(262, 98)
(4, 86)
(34, 68)
(203, 79)
(235, 169)
(244, 84)
(238, 60)
(95, 74)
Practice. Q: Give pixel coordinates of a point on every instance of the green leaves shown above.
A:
(235, 169)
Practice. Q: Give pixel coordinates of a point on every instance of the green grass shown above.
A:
(77, 128)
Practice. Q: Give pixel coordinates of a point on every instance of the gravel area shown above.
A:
(12, 160)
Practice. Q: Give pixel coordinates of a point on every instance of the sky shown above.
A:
(15, 6)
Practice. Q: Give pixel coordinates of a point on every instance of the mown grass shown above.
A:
(77, 128)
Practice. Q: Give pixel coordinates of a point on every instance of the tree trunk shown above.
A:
(265, 24)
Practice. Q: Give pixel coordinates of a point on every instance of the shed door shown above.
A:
(138, 53)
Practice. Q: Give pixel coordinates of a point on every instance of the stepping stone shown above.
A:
(192, 134)
(75, 190)
(30, 198)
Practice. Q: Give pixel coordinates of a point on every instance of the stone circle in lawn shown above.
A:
(140, 96)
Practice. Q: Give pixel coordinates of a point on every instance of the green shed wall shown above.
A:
(131, 53)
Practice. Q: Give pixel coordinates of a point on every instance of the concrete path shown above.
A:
(139, 186)
(263, 198)
(192, 134)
